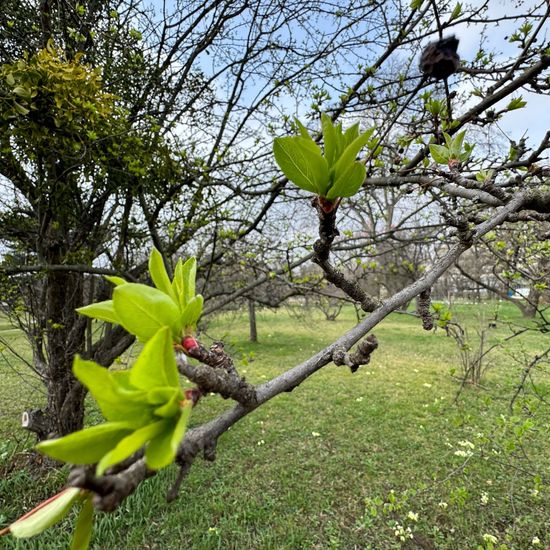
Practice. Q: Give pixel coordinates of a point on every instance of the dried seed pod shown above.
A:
(423, 303)
(440, 59)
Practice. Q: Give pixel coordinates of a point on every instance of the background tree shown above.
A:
(195, 152)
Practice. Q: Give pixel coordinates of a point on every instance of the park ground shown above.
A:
(393, 456)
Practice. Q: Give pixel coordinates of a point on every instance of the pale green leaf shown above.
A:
(347, 158)
(189, 274)
(171, 407)
(131, 443)
(103, 311)
(156, 364)
(85, 446)
(192, 312)
(45, 515)
(162, 450)
(143, 310)
(84, 523)
(117, 400)
(349, 182)
(330, 140)
(178, 285)
(158, 273)
(116, 280)
(300, 164)
(439, 153)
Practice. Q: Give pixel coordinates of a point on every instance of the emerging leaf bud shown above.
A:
(189, 343)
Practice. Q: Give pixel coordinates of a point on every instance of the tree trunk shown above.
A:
(252, 320)
(65, 332)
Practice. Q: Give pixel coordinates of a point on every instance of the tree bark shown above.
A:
(252, 320)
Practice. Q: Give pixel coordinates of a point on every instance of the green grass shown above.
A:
(342, 460)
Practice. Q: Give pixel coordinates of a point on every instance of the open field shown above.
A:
(344, 461)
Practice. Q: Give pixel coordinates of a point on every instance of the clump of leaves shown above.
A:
(144, 406)
(331, 174)
(453, 152)
(143, 310)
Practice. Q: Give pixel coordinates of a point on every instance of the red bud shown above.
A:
(189, 343)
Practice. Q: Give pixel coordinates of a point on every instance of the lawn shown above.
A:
(383, 458)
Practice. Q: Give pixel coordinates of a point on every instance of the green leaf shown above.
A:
(516, 103)
(330, 139)
(439, 153)
(172, 406)
(131, 443)
(349, 182)
(116, 280)
(103, 311)
(178, 284)
(457, 143)
(143, 310)
(85, 446)
(160, 395)
(456, 12)
(347, 158)
(300, 164)
(156, 364)
(157, 269)
(117, 400)
(192, 312)
(352, 133)
(20, 109)
(303, 130)
(45, 514)
(162, 450)
(84, 524)
(189, 274)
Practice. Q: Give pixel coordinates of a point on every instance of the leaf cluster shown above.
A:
(144, 406)
(333, 174)
(454, 150)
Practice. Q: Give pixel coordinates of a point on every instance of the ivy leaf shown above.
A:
(143, 310)
(104, 311)
(157, 269)
(86, 446)
(83, 528)
(45, 514)
(300, 164)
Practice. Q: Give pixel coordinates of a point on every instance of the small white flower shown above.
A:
(315, 434)
(415, 370)
(412, 516)
(535, 541)
(466, 443)
(443, 505)
(261, 442)
(463, 453)
(359, 399)
(426, 385)
(490, 538)
(484, 498)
